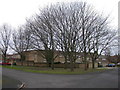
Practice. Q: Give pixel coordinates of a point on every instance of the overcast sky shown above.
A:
(14, 12)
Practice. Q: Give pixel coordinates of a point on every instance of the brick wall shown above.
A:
(31, 63)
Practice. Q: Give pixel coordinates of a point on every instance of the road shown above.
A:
(107, 79)
(8, 82)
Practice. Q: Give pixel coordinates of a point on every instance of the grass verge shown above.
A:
(55, 71)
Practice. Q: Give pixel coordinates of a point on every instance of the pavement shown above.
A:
(106, 79)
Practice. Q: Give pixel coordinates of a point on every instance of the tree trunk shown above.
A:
(65, 63)
(49, 64)
(85, 60)
(4, 57)
(71, 64)
(52, 65)
(22, 58)
(93, 64)
(85, 66)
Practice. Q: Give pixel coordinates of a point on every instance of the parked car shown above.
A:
(118, 64)
(110, 65)
(4, 63)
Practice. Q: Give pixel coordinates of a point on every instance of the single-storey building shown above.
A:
(36, 57)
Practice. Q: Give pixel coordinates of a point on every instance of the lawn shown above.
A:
(55, 71)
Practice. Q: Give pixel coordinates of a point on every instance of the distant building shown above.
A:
(36, 56)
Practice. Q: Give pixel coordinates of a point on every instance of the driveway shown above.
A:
(107, 79)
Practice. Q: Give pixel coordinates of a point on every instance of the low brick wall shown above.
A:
(59, 65)
(25, 63)
(63, 65)
(41, 64)
(81, 66)
(30, 63)
(89, 65)
(18, 63)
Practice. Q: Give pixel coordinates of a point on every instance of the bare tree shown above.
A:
(74, 23)
(43, 35)
(21, 41)
(72, 28)
(66, 22)
(102, 37)
(5, 35)
(63, 22)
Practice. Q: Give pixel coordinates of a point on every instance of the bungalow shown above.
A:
(36, 57)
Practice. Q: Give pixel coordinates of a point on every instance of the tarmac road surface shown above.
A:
(8, 82)
(106, 79)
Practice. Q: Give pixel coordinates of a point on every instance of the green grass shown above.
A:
(55, 71)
